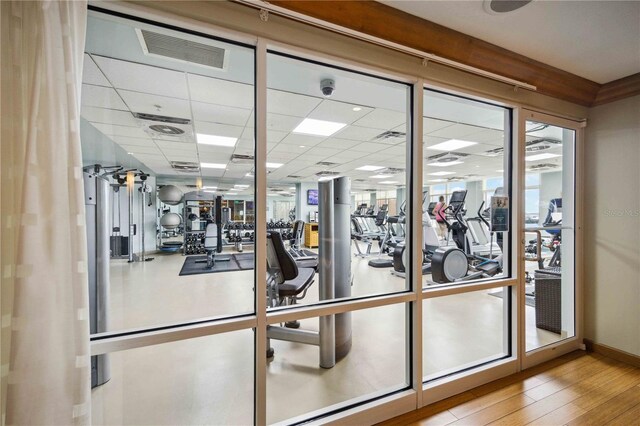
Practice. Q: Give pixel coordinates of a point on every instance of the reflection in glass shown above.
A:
(549, 237)
(462, 331)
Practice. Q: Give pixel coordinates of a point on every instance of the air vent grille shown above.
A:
(185, 166)
(294, 177)
(166, 130)
(543, 166)
(182, 50)
(326, 173)
(326, 163)
(447, 157)
(390, 136)
(161, 118)
(242, 159)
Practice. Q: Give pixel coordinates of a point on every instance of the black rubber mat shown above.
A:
(194, 265)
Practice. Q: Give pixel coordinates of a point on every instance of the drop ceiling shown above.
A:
(217, 102)
(598, 40)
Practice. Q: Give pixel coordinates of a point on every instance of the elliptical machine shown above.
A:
(456, 263)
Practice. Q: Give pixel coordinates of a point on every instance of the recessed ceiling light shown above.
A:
(437, 180)
(451, 145)
(370, 168)
(302, 146)
(450, 163)
(323, 178)
(205, 139)
(500, 171)
(380, 176)
(389, 182)
(130, 153)
(241, 186)
(209, 187)
(273, 165)
(213, 166)
(210, 192)
(544, 156)
(249, 175)
(442, 173)
(357, 109)
(292, 187)
(310, 126)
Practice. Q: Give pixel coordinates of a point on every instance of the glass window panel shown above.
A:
(465, 330)
(376, 364)
(550, 309)
(355, 135)
(177, 123)
(465, 144)
(206, 380)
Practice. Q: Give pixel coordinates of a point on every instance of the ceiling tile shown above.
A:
(91, 74)
(155, 104)
(108, 116)
(113, 130)
(357, 133)
(125, 140)
(137, 149)
(144, 78)
(338, 143)
(304, 140)
(382, 119)
(286, 103)
(339, 112)
(368, 147)
(102, 97)
(284, 123)
(218, 129)
(220, 92)
(220, 114)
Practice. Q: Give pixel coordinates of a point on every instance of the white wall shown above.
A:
(302, 208)
(612, 225)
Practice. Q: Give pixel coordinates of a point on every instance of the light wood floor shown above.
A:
(576, 389)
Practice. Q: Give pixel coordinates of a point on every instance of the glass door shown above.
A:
(548, 222)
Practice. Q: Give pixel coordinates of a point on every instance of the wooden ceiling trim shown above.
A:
(384, 22)
(618, 89)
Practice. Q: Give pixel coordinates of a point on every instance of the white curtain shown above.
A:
(45, 322)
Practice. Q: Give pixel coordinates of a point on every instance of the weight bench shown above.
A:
(213, 246)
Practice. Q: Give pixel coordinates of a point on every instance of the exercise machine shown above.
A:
(288, 283)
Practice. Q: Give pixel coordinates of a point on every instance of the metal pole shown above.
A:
(327, 271)
(341, 206)
(143, 188)
(130, 185)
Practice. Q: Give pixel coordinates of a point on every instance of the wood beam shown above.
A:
(384, 22)
(618, 89)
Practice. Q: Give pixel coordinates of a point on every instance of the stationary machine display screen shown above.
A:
(312, 197)
(458, 197)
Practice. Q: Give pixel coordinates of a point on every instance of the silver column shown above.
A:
(130, 187)
(143, 190)
(326, 271)
(97, 191)
(342, 252)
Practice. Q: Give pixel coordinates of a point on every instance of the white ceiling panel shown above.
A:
(220, 92)
(218, 129)
(212, 172)
(339, 112)
(382, 119)
(220, 114)
(338, 143)
(144, 78)
(304, 140)
(284, 123)
(114, 130)
(457, 131)
(368, 147)
(431, 125)
(357, 133)
(214, 157)
(273, 136)
(109, 116)
(279, 102)
(124, 140)
(137, 149)
(188, 150)
(91, 74)
(101, 97)
(323, 152)
(154, 104)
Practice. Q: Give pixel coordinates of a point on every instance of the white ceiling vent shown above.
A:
(178, 49)
(185, 166)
